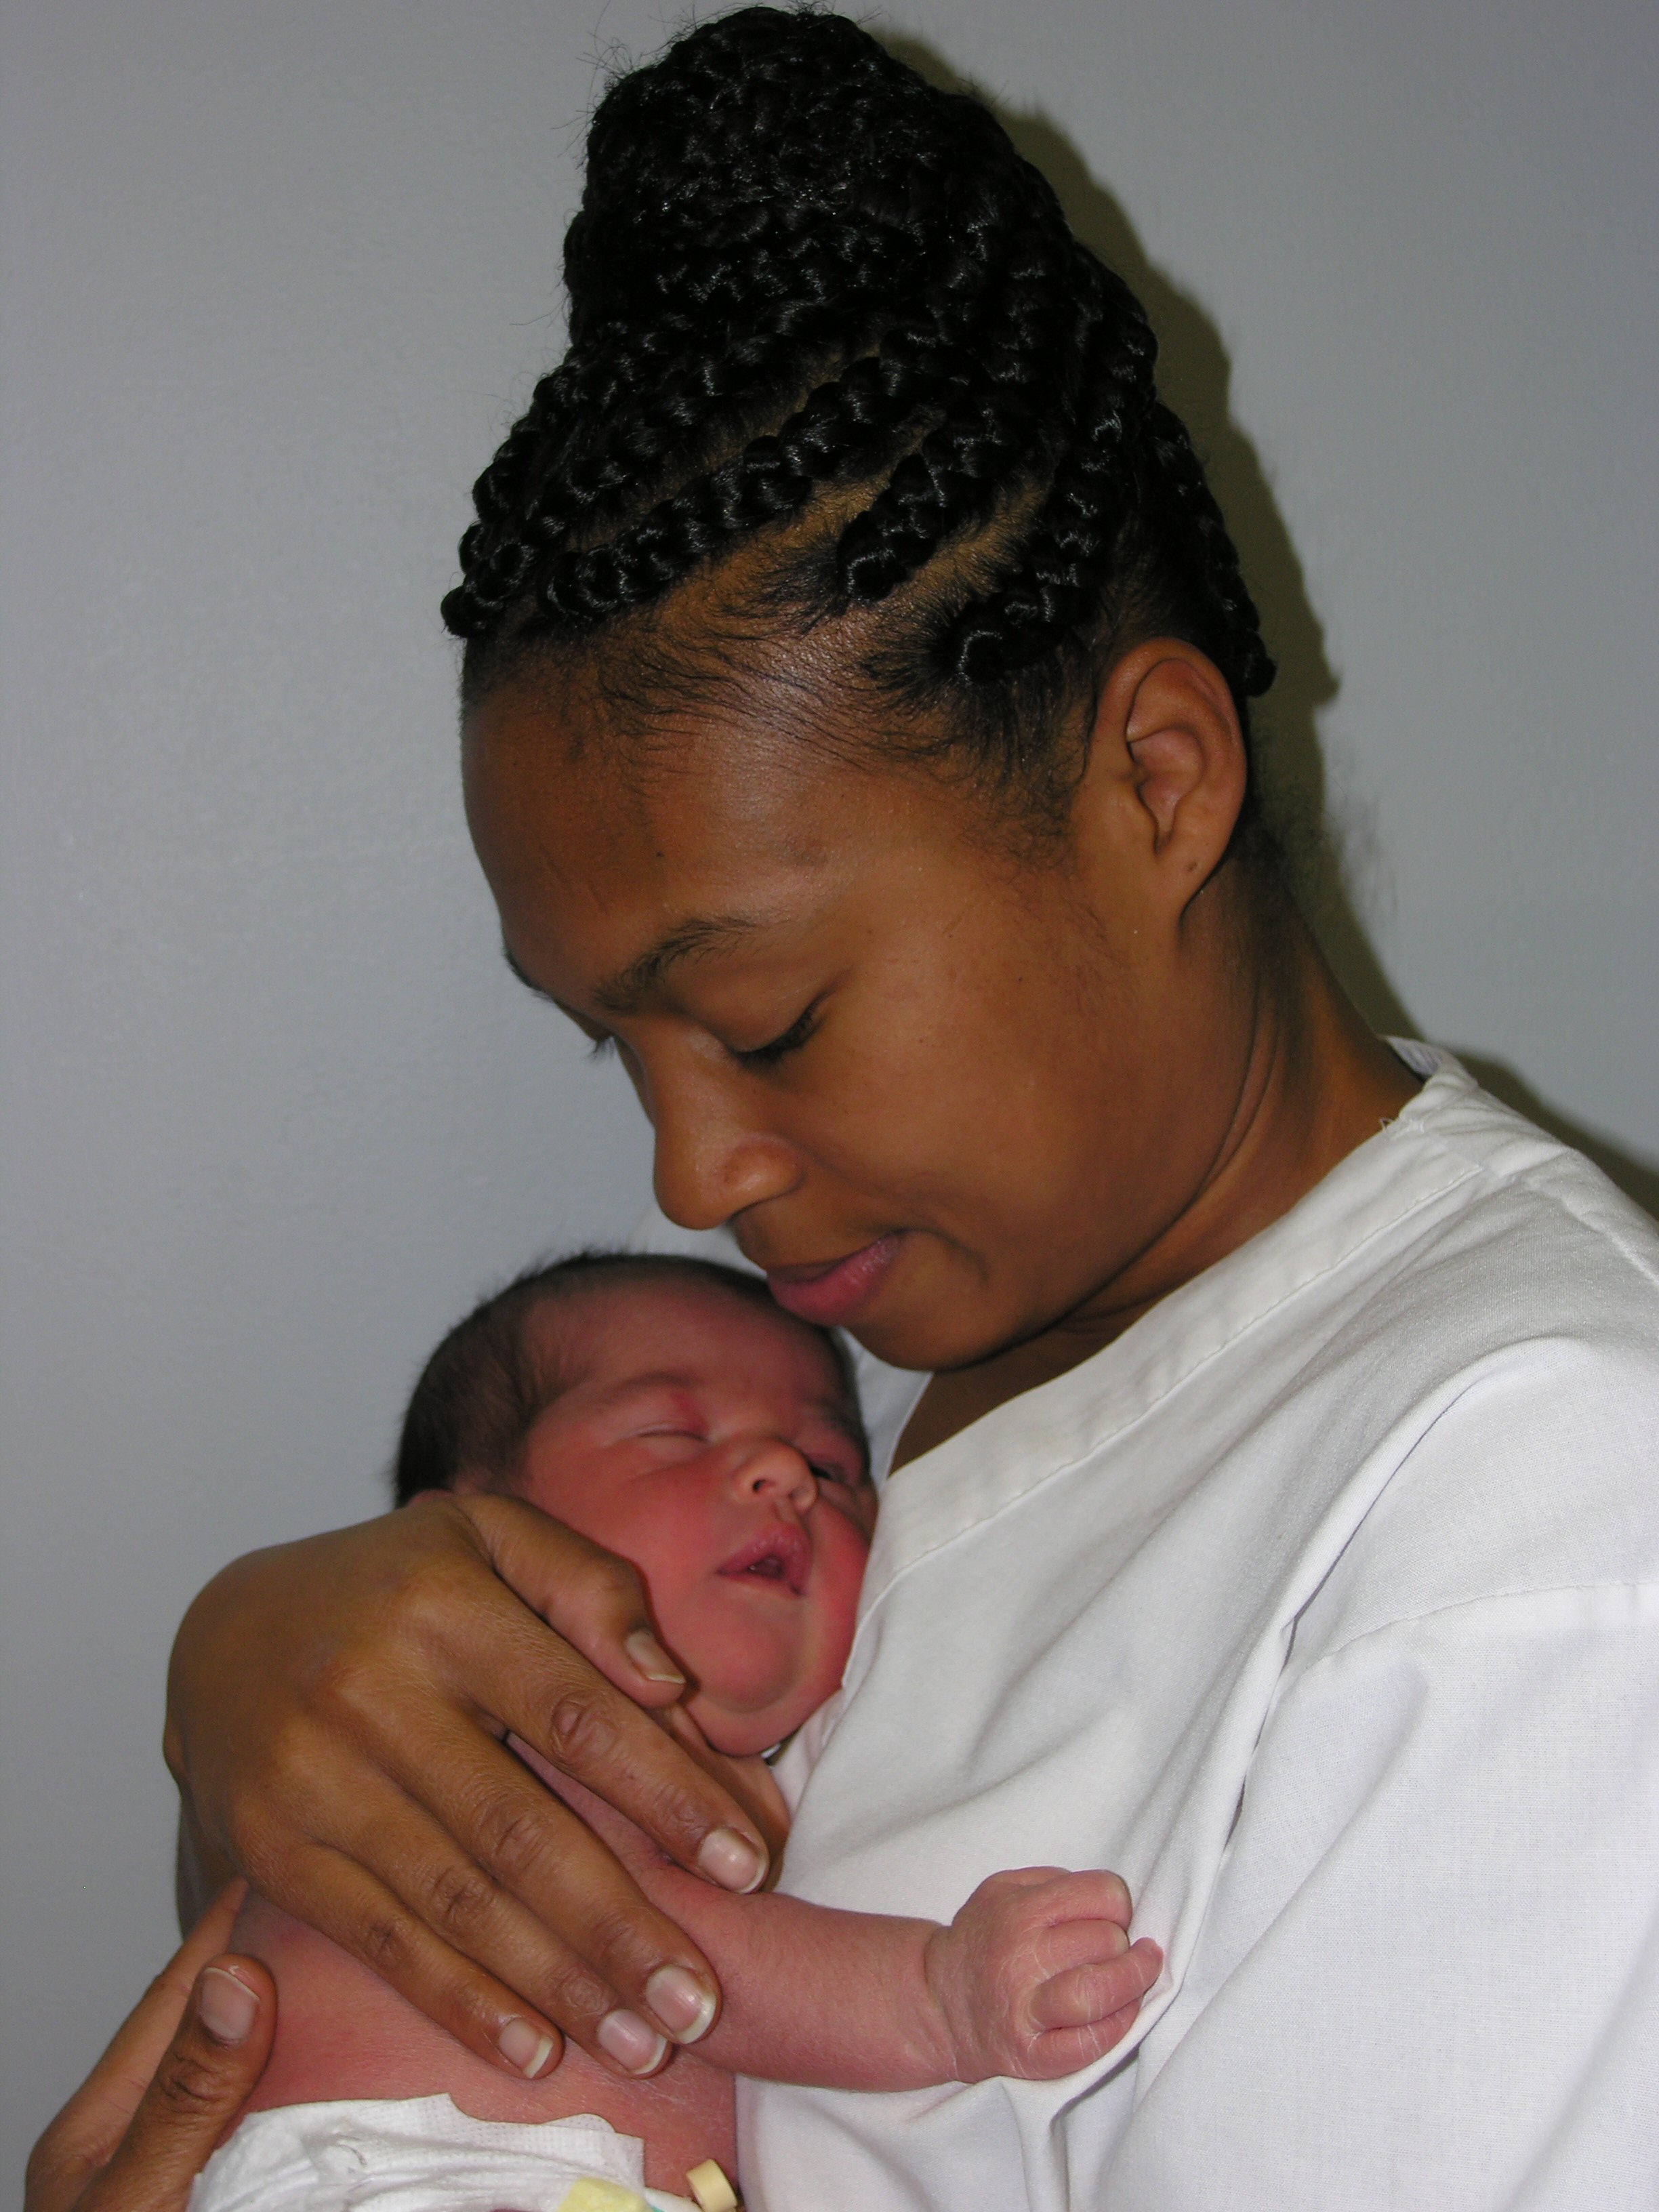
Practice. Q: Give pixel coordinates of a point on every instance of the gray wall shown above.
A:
(276, 276)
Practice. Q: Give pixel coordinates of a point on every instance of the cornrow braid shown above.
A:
(1067, 555)
(1009, 363)
(799, 267)
(1236, 645)
(773, 475)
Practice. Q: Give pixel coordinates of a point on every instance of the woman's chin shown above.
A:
(913, 1339)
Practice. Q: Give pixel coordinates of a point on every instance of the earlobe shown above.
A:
(1185, 755)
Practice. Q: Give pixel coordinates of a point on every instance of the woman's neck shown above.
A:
(1314, 1084)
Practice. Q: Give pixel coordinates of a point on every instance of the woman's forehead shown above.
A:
(716, 834)
(555, 755)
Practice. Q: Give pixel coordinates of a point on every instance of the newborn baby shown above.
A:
(668, 1410)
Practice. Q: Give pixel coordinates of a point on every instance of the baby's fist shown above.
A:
(1036, 1975)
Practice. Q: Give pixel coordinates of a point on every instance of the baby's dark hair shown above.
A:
(484, 1388)
(806, 285)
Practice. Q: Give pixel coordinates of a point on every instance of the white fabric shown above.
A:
(421, 2154)
(1324, 1606)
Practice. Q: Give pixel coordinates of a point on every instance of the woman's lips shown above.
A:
(832, 1293)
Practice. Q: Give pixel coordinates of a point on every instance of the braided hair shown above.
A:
(806, 286)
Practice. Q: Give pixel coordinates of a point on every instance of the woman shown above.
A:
(856, 738)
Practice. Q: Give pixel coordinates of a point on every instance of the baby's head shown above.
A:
(669, 1411)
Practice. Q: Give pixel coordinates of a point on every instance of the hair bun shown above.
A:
(796, 261)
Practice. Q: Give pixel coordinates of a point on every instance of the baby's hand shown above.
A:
(1036, 1975)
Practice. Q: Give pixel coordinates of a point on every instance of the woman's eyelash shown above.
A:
(767, 1055)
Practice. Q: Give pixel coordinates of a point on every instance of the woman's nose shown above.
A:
(712, 1160)
(770, 1469)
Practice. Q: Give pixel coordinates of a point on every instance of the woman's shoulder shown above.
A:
(1492, 1380)
(1526, 1186)
(1529, 1255)
(1530, 1304)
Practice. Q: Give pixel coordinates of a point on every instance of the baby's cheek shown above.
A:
(844, 1554)
(663, 1527)
(747, 1653)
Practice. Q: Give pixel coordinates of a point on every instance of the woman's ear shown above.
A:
(1168, 740)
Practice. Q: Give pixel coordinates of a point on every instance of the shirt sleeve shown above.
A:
(1429, 1974)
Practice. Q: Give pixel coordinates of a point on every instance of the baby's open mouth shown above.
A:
(780, 1555)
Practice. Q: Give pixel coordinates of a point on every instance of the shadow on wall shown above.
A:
(1193, 377)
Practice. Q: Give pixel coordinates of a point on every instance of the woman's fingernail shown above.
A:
(648, 1655)
(681, 2003)
(636, 2047)
(525, 2046)
(729, 1859)
(227, 2008)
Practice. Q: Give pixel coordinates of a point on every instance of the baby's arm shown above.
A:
(1034, 1977)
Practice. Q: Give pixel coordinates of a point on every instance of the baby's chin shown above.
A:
(741, 1732)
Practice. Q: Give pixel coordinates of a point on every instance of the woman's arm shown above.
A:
(336, 1708)
(1431, 1954)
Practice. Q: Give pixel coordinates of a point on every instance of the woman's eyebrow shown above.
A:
(529, 982)
(623, 993)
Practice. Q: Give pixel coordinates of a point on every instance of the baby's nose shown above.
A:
(768, 1468)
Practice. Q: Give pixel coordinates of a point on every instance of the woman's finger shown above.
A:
(595, 1601)
(368, 1918)
(205, 2073)
(206, 2076)
(500, 1868)
(434, 1918)
(305, 1677)
(85, 2133)
(538, 1686)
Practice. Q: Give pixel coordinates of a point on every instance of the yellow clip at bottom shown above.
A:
(713, 2191)
(603, 2197)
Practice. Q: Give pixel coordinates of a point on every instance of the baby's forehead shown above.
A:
(624, 1325)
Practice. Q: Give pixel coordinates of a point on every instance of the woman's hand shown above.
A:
(135, 2136)
(336, 1714)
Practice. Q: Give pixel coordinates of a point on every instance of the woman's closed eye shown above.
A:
(780, 1047)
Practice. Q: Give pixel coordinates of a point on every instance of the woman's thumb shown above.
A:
(201, 2085)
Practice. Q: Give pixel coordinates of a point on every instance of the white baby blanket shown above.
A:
(421, 2155)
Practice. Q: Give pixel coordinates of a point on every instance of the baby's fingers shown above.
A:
(1099, 1992)
(1065, 2049)
(1094, 1895)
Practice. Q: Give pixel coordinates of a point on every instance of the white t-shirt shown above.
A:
(1323, 1605)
